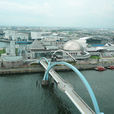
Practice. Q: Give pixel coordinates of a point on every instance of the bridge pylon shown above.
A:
(45, 82)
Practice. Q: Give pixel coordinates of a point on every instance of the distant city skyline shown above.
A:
(57, 13)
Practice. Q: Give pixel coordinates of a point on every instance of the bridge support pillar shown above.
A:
(45, 82)
(52, 81)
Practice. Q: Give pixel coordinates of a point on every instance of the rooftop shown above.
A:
(73, 45)
(37, 45)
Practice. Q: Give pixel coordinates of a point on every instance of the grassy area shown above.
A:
(16, 51)
(2, 51)
(34, 64)
(95, 57)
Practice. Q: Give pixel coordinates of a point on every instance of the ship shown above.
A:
(111, 67)
(100, 68)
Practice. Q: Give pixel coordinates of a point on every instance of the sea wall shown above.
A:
(38, 68)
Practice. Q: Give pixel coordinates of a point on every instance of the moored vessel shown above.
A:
(111, 67)
(100, 68)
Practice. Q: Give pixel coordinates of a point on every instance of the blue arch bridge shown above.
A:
(67, 88)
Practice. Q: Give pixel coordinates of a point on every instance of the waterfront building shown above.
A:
(10, 34)
(38, 50)
(23, 36)
(103, 51)
(43, 49)
(12, 61)
(35, 35)
(11, 49)
(39, 35)
(74, 48)
(53, 41)
(16, 35)
(97, 41)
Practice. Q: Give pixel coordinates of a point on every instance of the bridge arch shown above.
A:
(44, 59)
(83, 79)
(38, 61)
(63, 51)
(48, 62)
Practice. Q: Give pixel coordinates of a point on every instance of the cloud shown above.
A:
(58, 12)
(27, 8)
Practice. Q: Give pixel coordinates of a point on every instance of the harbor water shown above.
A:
(23, 94)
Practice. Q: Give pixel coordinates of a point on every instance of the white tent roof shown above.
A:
(37, 45)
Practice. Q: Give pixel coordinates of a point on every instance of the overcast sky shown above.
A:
(68, 13)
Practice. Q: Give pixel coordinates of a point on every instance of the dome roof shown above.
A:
(73, 45)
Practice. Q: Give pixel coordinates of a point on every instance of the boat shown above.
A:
(100, 68)
(111, 67)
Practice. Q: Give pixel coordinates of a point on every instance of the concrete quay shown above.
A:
(21, 70)
(38, 68)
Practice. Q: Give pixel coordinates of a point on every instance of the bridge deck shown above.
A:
(69, 91)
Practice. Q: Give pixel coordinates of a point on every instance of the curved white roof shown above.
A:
(73, 45)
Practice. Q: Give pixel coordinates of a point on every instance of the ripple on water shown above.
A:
(23, 94)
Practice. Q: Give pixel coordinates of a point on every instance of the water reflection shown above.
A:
(62, 108)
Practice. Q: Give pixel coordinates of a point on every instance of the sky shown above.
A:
(60, 13)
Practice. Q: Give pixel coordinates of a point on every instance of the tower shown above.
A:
(12, 48)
